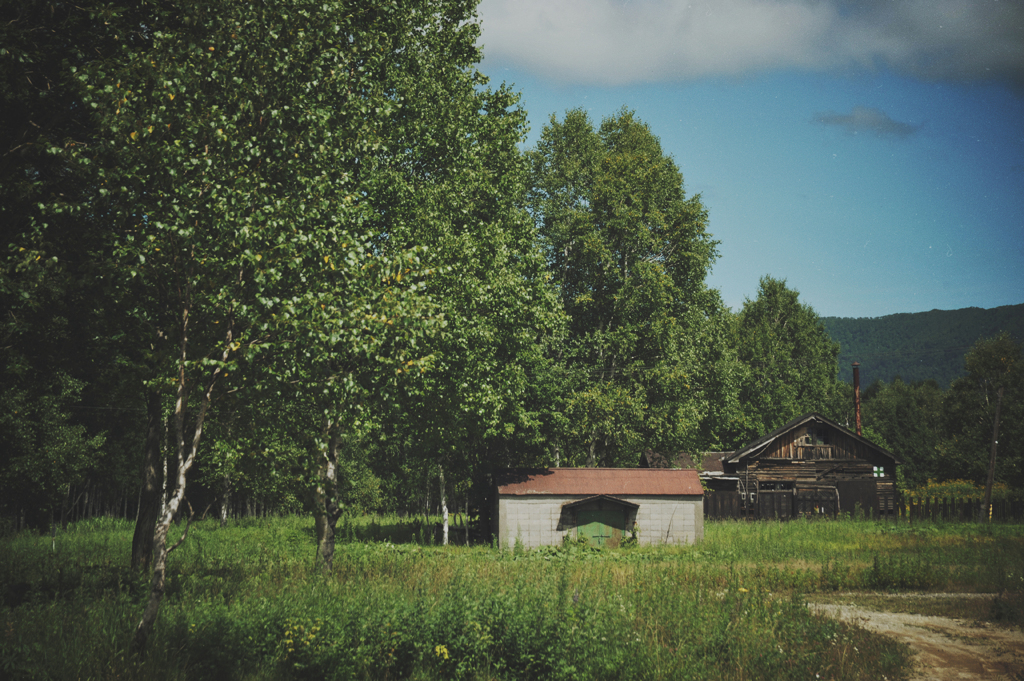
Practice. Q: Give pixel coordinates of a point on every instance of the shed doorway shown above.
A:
(601, 519)
(601, 527)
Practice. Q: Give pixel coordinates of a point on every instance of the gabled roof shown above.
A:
(599, 481)
(712, 462)
(600, 497)
(760, 444)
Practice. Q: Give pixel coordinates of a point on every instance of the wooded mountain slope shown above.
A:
(918, 346)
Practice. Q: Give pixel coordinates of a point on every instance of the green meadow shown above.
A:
(248, 602)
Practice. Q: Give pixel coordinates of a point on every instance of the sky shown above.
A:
(869, 153)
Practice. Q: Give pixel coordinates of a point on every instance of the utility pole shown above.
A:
(856, 393)
(986, 507)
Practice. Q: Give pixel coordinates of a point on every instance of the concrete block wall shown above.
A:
(669, 520)
(662, 520)
(533, 520)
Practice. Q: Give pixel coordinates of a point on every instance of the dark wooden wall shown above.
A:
(820, 443)
(816, 452)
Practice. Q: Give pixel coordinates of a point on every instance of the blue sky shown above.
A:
(870, 153)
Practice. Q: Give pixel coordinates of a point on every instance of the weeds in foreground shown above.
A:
(246, 602)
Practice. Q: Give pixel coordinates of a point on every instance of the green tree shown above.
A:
(789, 359)
(351, 345)
(59, 327)
(449, 179)
(43, 451)
(223, 177)
(968, 409)
(908, 416)
(646, 359)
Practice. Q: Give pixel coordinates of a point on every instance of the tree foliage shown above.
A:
(789, 358)
(449, 179)
(919, 346)
(59, 327)
(908, 416)
(43, 450)
(646, 360)
(968, 410)
(229, 215)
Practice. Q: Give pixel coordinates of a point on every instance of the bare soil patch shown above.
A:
(947, 649)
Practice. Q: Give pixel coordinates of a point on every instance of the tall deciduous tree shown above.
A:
(59, 328)
(969, 407)
(449, 178)
(647, 359)
(908, 416)
(223, 174)
(789, 358)
(341, 356)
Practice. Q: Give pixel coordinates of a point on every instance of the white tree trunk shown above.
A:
(225, 504)
(186, 455)
(325, 496)
(167, 489)
(444, 513)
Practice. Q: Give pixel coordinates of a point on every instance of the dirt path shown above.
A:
(947, 649)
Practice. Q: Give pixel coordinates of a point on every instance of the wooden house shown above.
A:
(810, 465)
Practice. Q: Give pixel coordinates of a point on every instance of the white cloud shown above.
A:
(618, 41)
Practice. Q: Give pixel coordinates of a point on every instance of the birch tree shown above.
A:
(224, 175)
(647, 360)
(790, 360)
(994, 379)
(449, 178)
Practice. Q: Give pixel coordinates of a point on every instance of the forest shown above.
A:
(919, 346)
(292, 257)
(281, 271)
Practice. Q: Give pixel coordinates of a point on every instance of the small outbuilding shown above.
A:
(541, 506)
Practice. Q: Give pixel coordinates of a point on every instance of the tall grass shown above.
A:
(247, 602)
(850, 554)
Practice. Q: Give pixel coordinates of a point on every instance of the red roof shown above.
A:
(593, 481)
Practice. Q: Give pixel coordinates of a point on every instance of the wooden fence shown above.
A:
(961, 510)
(779, 506)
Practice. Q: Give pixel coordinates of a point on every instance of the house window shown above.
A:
(775, 485)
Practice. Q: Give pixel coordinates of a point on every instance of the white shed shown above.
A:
(541, 506)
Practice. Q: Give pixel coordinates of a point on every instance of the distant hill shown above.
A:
(918, 346)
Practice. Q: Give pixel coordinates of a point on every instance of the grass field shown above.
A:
(247, 602)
